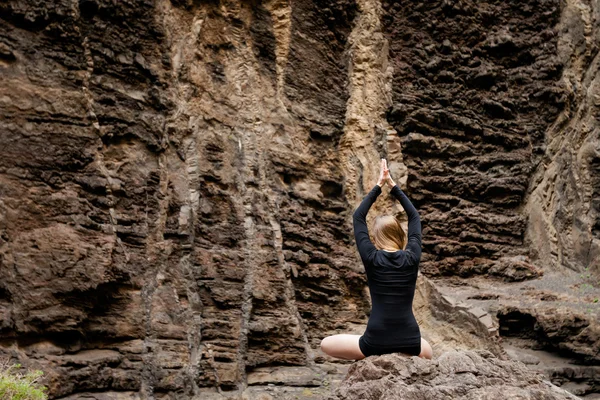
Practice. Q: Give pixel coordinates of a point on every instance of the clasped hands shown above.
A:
(384, 175)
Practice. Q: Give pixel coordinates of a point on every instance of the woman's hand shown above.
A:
(387, 178)
(382, 180)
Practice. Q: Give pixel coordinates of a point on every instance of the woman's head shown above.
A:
(388, 234)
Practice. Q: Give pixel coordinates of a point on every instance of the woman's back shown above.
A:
(392, 287)
(391, 277)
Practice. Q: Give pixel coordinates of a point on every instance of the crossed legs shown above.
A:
(345, 346)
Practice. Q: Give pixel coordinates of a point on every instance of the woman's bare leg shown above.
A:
(426, 351)
(344, 346)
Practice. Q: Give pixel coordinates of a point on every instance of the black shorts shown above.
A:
(369, 350)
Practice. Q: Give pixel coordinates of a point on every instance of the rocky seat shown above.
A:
(452, 375)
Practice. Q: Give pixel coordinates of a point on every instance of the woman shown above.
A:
(391, 275)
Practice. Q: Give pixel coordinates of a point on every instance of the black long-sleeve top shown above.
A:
(391, 277)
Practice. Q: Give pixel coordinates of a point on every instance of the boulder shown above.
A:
(453, 375)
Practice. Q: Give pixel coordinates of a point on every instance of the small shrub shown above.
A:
(16, 385)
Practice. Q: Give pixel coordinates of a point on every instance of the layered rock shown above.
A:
(563, 206)
(160, 162)
(177, 180)
(493, 103)
(474, 90)
(454, 375)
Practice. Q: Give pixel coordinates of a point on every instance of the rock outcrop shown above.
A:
(177, 179)
(465, 375)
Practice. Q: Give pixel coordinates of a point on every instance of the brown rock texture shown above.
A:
(177, 179)
(494, 103)
(454, 375)
(172, 209)
(475, 88)
(563, 198)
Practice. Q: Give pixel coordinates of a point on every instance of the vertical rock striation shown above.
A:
(177, 177)
(173, 212)
(563, 205)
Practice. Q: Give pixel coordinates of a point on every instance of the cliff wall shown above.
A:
(177, 177)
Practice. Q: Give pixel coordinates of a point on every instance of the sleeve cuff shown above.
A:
(376, 189)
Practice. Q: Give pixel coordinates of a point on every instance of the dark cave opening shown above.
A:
(517, 324)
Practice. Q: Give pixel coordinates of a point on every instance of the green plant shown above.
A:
(589, 278)
(585, 274)
(16, 385)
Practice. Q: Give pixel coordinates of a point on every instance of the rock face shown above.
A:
(454, 375)
(476, 89)
(562, 202)
(177, 179)
(160, 162)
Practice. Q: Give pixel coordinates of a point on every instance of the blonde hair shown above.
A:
(388, 234)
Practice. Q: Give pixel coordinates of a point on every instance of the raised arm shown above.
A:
(413, 247)
(359, 219)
